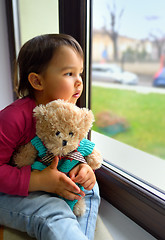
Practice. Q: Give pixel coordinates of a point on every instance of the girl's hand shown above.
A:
(53, 181)
(84, 175)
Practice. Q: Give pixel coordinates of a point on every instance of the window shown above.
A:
(128, 99)
(128, 85)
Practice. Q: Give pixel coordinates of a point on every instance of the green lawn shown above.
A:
(145, 114)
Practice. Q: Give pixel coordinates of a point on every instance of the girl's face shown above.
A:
(62, 78)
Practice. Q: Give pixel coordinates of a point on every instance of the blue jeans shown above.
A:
(45, 216)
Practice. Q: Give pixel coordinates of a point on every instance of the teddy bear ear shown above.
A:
(86, 121)
(42, 111)
(39, 111)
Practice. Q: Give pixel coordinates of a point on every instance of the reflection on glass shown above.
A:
(128, 72)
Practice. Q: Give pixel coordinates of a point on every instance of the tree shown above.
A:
(113, 31)
(159, 42)
(157, 36)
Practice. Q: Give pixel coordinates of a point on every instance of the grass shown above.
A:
(145, 114)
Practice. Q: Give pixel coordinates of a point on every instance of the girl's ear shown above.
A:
(35, 81)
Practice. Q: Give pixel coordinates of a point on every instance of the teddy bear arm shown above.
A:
(25, 155)
(94, 159)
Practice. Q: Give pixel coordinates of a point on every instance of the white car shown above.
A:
(112, 73)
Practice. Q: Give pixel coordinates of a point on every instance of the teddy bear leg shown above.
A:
(79, 208)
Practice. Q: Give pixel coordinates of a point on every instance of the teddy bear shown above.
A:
(61, 130)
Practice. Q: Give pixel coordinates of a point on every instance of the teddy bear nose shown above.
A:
(64, 143)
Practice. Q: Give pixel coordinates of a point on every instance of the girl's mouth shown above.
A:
(77, 94)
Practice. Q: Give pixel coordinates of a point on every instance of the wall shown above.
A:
(33, 22)
(38, 17)
(6, 94)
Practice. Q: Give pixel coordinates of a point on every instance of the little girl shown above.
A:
(50, 68)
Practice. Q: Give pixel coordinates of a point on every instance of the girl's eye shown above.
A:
(57, 133)
(71, 134)
(68, 74)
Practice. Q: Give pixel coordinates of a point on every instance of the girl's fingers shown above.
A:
(89, 185)
(71, 186)
(79, 178)
(72, 196)
(54, 163)
(71, 190)
(68, 189)
(82, 193)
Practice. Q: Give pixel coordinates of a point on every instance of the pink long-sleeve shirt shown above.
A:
(17, 127)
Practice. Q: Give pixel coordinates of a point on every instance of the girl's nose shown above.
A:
(78, 80)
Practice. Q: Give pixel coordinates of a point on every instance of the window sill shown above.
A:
(132, 162)
(142, 206)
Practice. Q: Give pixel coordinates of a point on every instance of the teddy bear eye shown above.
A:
(57, 133)
(71, 134)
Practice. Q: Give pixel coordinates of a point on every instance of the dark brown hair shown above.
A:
(35, 56)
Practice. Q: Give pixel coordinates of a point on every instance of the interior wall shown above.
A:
(37, 17)
(6, 93)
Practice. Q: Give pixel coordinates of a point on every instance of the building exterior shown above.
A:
(129, 49)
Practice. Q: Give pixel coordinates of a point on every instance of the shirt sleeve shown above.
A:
(86, 147)
(13, 181)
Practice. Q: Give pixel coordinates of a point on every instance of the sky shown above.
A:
(139, 19)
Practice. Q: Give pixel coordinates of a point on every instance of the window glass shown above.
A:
(128, 85)
(128, 72)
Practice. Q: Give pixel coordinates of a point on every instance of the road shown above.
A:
(145, 80)
(144, 86)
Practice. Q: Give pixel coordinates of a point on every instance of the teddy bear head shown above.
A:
(61, 125)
